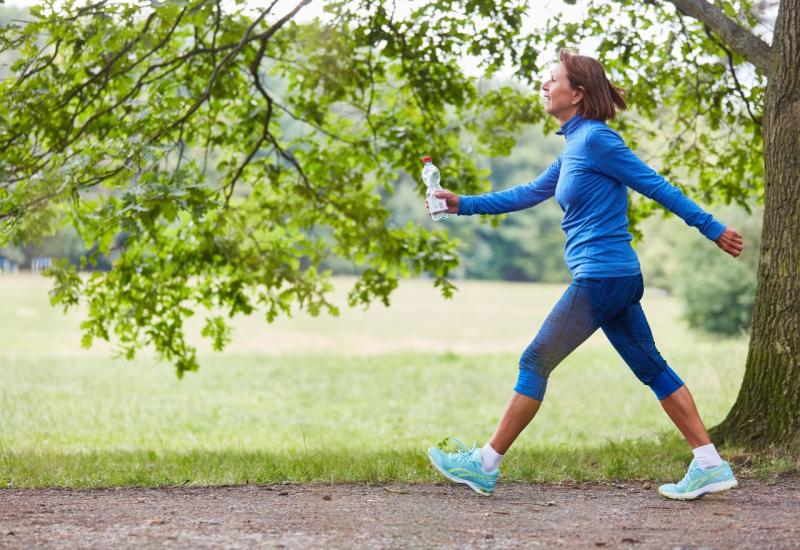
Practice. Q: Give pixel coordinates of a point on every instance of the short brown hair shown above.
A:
(600, 96)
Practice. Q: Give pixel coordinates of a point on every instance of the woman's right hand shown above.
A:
(731, 242)
(451, 200)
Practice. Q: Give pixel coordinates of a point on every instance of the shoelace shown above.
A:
(463, 451)
(687, 478)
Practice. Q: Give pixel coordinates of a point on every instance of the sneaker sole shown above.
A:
(717, 487)
(476, 488)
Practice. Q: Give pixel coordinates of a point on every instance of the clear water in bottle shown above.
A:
(431, 177)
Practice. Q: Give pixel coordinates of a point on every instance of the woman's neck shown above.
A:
(562, 119)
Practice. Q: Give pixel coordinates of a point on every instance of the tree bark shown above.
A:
(767, 409)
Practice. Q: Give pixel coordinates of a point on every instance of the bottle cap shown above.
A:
(427, 159)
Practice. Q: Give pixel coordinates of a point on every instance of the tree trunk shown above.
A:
(767, 410)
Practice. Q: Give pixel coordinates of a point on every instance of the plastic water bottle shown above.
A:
(430, 176)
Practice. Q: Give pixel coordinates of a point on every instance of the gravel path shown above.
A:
(757, 514)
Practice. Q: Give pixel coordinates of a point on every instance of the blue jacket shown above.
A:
(589, 180)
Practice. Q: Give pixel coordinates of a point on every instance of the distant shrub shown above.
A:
(718, 297)
(717, 290)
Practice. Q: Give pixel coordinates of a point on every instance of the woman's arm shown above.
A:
(612, 157)
(515, 198)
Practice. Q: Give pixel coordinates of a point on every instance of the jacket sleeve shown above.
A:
(612, 157)
(515, 198)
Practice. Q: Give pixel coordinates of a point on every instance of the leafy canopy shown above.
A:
(220, 154)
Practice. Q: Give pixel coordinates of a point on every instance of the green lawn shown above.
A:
(359, 397)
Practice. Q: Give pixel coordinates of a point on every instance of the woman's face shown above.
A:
(560, 99)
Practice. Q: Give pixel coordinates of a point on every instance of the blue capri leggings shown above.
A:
(612, 304)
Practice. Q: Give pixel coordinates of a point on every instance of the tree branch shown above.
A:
(246, 38)
(741, 40)
(265, 128)
(756, 120)
(109, 65)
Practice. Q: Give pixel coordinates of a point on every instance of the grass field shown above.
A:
(359, 397)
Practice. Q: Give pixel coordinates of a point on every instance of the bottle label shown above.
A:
(439, 205)
(436, 204)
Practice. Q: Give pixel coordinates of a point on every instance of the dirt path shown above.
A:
(629, 515)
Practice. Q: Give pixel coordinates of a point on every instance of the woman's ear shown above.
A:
(578, 94)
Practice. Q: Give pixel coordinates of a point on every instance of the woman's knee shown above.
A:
(538, 358)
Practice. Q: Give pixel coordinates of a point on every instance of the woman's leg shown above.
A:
(680, 407)
(708, 473)
(581, 310)
(519, 412)
(577, 315)
(630, 334)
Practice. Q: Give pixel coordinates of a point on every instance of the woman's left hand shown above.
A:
(731, 242)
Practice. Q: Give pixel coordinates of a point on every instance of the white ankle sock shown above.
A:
(707, 456)
(490, 460)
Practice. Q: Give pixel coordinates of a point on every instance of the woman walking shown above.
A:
(590, 180)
